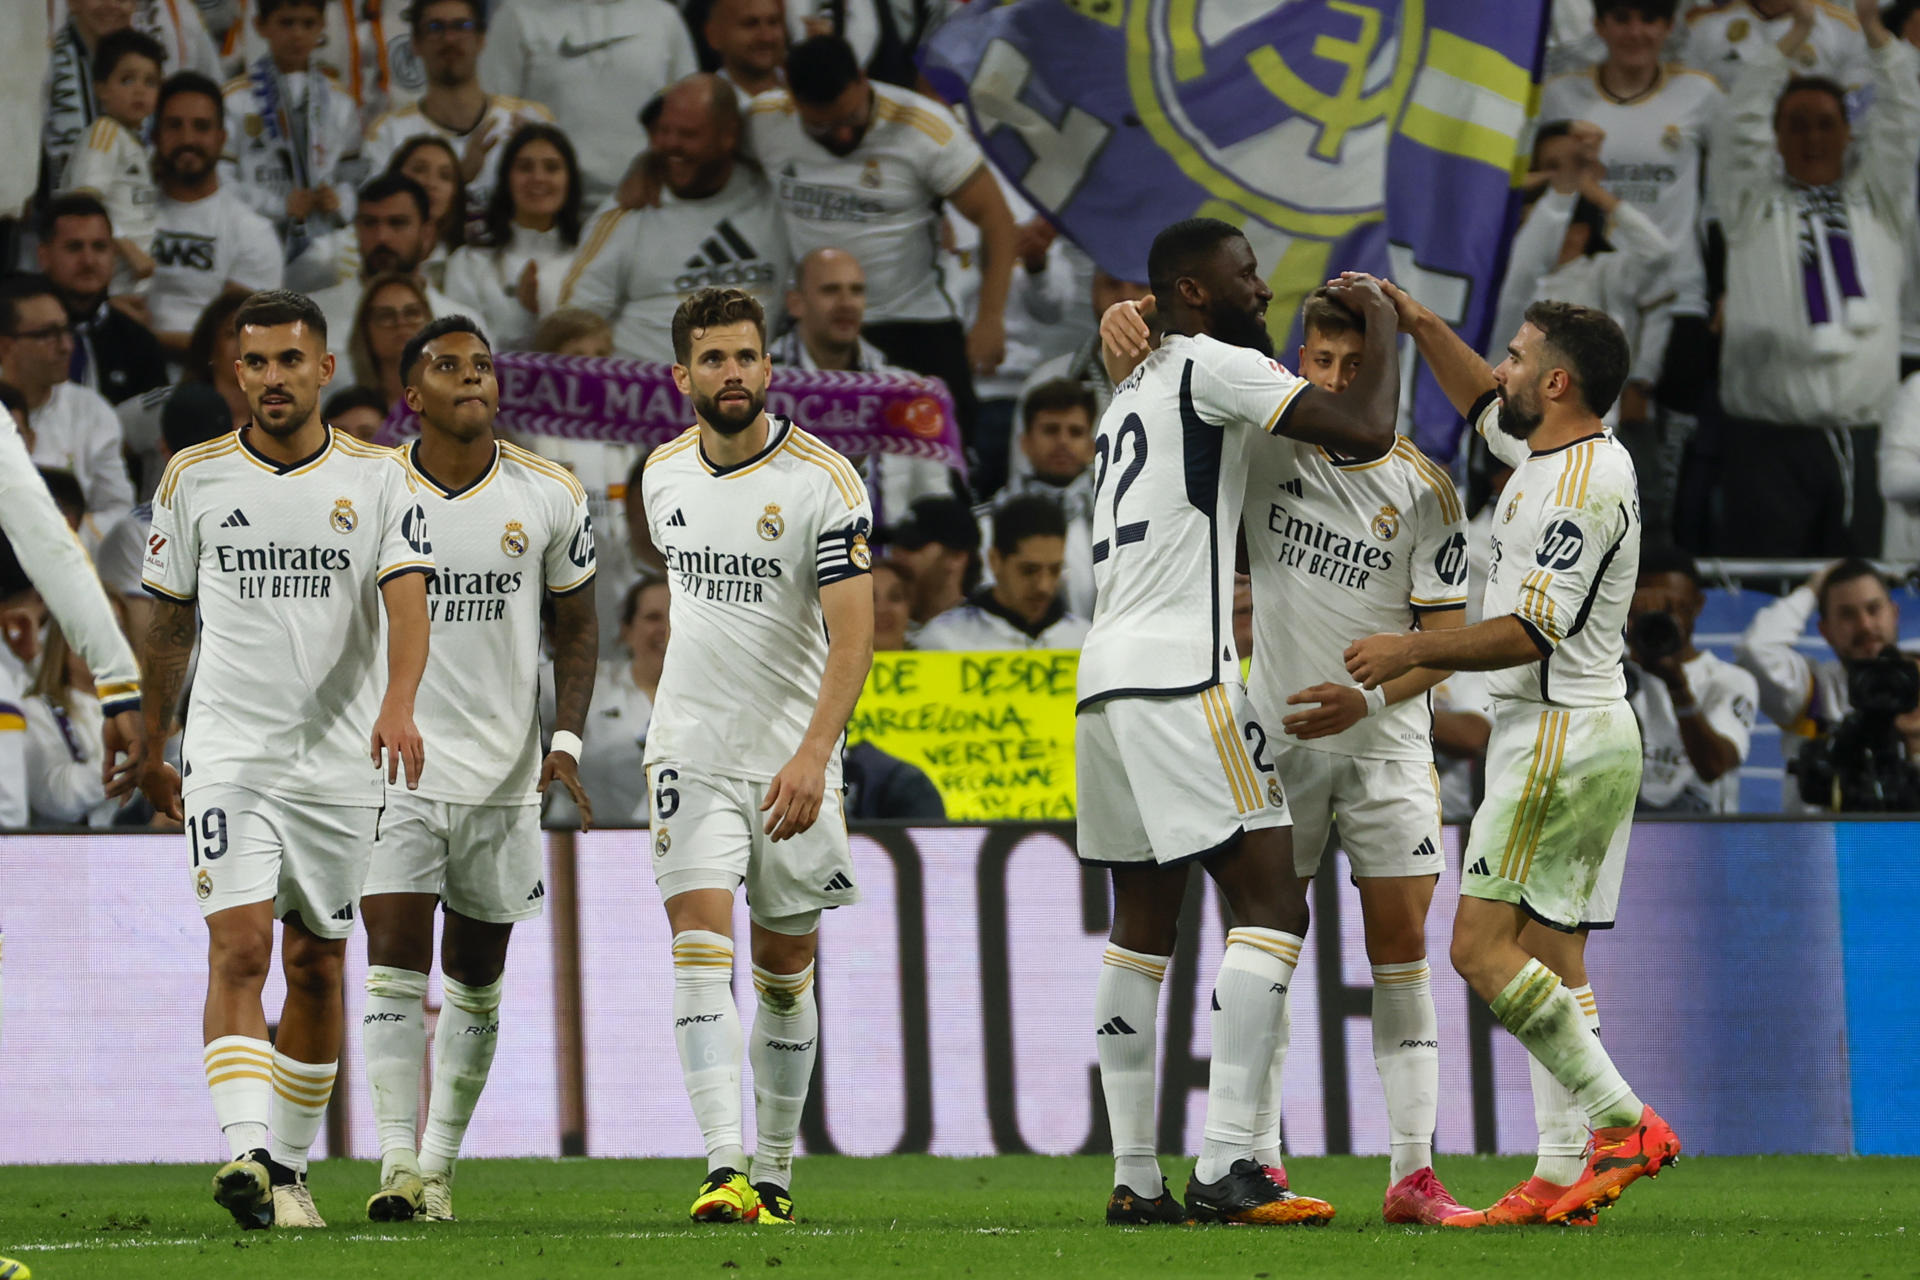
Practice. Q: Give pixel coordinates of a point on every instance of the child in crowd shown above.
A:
(112, 160)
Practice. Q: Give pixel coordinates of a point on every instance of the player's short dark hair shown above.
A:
(416, 349)
(1650, 10)
(709, 309)
(1813, 84)
(630, 602)
(1180, 249)
(1031, 515)
(1588, 343)
(385, 186)
(1326, 315)
(184, 82)
(66, 491)
(126, 43)
(270, 307)
(194, 413)
(16, 289)
(70, 204)
(348, 399)
(1662, 558)
(267, 8)
(13, 399)
(1851, 569)
(820, 68)
(417, 12)
(1056, 395)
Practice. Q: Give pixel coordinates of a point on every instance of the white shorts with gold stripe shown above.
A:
(1388, 811)
(1551, 836)
(1168, 779)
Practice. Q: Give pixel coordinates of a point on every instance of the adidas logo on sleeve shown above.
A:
(677, 520)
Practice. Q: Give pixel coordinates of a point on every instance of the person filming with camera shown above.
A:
(1695, 711)
(1857, 709)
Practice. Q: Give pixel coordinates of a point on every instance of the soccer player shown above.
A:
(764, 532)
(1339, 547)
(1548, 847)
(285, 538)
(1170, 761)
(510, 529)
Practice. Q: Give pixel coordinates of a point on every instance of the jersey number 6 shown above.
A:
(1137, 530)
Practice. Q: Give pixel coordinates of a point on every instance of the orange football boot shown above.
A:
(1526, 1205)
(1618, 1156)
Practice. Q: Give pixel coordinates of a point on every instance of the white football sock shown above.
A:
(706, 1028)
(1248, 997)
(240, 1078)
(463, 1047)
(300, 1094)
(1269, 1148)
(1406, 1051)
(393, 1042)
(1563, 1125)
(1544, 1016)
(1126, 1015)
(786, 1041)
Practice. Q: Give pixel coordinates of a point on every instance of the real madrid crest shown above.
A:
(1275, 796)
(1737, 30)
(253, 126)
(514, 540)
(870, 175)
(202, 884)
(1386, 525)
(1512, 507)
(772, 523)
(661, 842)
(343, 518)
(860, 553)
(1671, 138)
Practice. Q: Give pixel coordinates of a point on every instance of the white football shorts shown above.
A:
(1388, 811)
(709, 833)
(1551, 836)
(308, 859)
(1170, 779)
(483, 860)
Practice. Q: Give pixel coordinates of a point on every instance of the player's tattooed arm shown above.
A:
(576, 658)
(170, 635)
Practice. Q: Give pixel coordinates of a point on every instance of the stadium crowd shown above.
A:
(1735, 185)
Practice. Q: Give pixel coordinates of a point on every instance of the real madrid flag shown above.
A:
(1365, 135)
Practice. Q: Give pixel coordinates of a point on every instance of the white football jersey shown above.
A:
(1653, 152)
(286, 563)
(1720, 39)
(112, 162)
(202, 246)
(1566, 553)
(500, 545)
(748, 548)
(884, 197)
(1170, 459)
(1339, 550)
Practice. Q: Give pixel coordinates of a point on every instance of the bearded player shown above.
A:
(510, 531)
(764, 532)
(1548, 845)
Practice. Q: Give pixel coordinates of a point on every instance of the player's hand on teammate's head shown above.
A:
(1405, 310)
(794, 797)
(397, 747)
(562, 766)
(124, 738)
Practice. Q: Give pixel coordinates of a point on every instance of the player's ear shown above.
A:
(410, 396)
(683, 379)
(326, 368)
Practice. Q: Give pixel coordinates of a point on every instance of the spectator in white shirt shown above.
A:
(1023, 608)
(750, 38)
(390, 225)
(72, 428)
(1695, 711)
(1816, 248)
(532, 231)
(1057, 440)
(1900, 474)
(64, 744)
(938, 541)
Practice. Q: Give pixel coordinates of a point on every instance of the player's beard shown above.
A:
(297, 414)
(1241, 327)
(1517, 418)
(733, 420)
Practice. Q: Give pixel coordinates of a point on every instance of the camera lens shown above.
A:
(1657, 635)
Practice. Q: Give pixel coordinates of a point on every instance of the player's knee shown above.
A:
(1399, 942)
(313, 970)
(1466, 953)
(473, 968)
(240, 960)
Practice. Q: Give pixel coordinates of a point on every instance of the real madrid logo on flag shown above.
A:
(1386, 525)
(343, 519)
(514, 540)
(772, 524)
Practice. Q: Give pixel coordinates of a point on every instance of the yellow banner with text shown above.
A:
(994, 731)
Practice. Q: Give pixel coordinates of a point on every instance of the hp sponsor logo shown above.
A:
(1450, 562)
(1561, 547)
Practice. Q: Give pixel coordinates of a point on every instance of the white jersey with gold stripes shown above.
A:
(286, 562)
(1566, 553)
(112, 162)
(748, 548)
(1722, 38)
(517, 532)
(1339, 550)
(1170, 478)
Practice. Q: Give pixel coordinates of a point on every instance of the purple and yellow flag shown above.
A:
(1377, 136)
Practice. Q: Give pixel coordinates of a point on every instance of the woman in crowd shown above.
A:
(430, 160)
(393, 309)
(513, 276)
(64, 748)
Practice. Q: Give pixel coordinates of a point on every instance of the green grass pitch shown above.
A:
(997, 1219)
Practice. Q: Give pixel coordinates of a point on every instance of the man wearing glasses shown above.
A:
(68, 426)
(448, 36)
